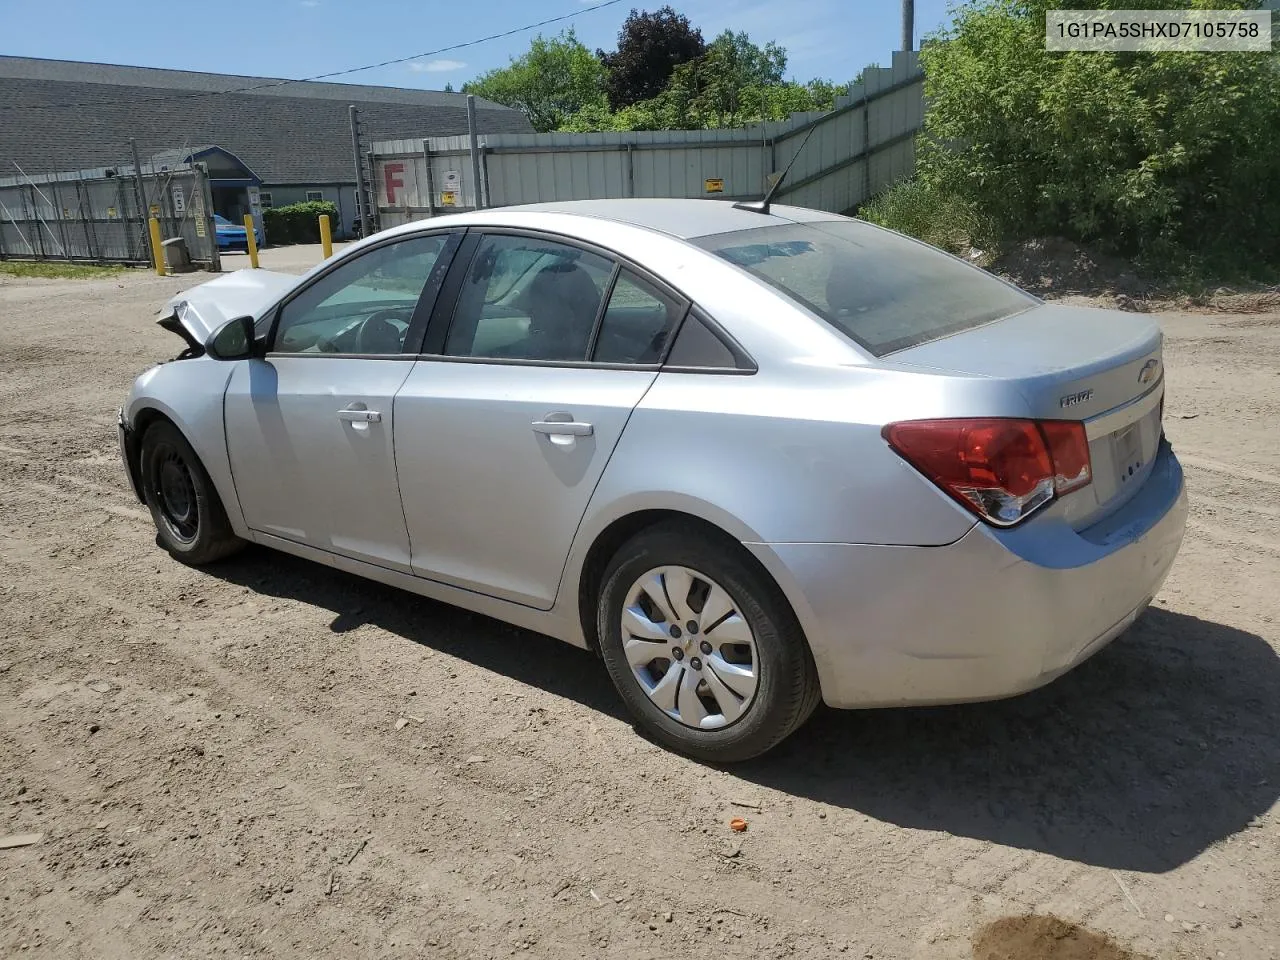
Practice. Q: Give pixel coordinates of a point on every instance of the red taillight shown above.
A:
(1001, 469)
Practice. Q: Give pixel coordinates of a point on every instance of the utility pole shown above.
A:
(143, 212)
(908, 24)
(366, 221)
(475, 150)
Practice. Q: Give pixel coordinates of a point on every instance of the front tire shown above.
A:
(191, 523)
(702, 646)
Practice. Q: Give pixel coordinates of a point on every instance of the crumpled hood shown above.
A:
(202, 309)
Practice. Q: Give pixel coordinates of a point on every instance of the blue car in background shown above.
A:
(232, 236)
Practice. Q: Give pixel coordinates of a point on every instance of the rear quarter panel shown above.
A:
(793, 457)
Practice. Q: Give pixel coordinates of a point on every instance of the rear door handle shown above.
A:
(360, 416)
(563, 428)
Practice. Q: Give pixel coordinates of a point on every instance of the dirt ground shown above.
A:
(214, 762)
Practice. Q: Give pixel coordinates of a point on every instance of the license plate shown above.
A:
(1126, 448)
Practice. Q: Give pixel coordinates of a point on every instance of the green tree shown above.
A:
(1174, 157)
(555, 79)
(650, 47)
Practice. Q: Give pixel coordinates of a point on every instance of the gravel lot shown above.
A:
(214, 762)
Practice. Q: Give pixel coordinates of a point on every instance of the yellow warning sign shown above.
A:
(155, 210)
(714, 185)
(448, 198)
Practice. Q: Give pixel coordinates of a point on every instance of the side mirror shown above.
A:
(234, 340)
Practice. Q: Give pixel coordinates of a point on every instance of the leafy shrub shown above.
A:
(922, 211)
(1170, 158)
(298, 222)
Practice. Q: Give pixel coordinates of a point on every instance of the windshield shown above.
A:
(882, 290)
(221, 220)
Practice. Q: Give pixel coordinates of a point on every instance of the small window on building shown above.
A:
(314, 195)
(264, 199)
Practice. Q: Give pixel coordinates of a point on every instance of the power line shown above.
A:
(320, 76)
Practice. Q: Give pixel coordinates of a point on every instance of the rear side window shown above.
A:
(636, 323)
(528, 299)
(883, 291)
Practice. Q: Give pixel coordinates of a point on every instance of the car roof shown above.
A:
(685, 219)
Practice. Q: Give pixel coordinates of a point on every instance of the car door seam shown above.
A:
(395, 464)
(226, 443)
(573, 542)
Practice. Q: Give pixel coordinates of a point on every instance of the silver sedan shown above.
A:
(754, 459)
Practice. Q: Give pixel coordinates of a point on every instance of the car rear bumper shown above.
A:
(994, 614)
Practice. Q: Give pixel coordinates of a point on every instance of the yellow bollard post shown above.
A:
(326, 238)
(252, 239)
(157, 248)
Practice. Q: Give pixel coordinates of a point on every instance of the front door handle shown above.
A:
(563, 428)
(360, 416)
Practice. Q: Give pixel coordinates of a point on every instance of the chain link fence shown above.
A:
(101, 215)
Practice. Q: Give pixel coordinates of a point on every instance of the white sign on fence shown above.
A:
(179, 200)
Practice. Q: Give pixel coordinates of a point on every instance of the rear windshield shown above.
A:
(880, 289)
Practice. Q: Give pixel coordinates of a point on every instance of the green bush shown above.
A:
(1170, 158)
(921, 211)
(298, 222)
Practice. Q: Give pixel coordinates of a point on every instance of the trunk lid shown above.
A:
(1103, 367)
(195, 314)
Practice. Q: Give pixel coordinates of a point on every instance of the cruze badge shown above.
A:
(1148, 371)
(1071, 399)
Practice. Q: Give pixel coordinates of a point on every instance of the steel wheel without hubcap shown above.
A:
(689, 648)
(176, 495)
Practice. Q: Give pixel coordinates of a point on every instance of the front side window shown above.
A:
(528, 299)
(365, 305)
(883, 291)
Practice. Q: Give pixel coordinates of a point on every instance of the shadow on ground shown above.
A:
(1140, 759)
(522, 655)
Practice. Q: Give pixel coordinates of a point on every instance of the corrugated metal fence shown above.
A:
(866, 143)
(98, 215)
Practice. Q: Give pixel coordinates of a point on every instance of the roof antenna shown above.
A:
(762, 206)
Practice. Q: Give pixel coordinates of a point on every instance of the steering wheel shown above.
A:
(377, 331)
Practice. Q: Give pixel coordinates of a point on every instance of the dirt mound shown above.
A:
(1054, 267)
(1045, 938)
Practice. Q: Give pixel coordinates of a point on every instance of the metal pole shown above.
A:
(85, 210)
(31, 211)
(475, 151)
(142, 197)
(431, 179)
(866, 148)
(372, 209)
(130, 237)
(908, 24)
(205, 213)
(365, 220)
(62, 219)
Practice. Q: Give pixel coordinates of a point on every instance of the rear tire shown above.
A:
(191, 523)
(732, 681)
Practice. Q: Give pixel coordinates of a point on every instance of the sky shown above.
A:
(832, 39)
